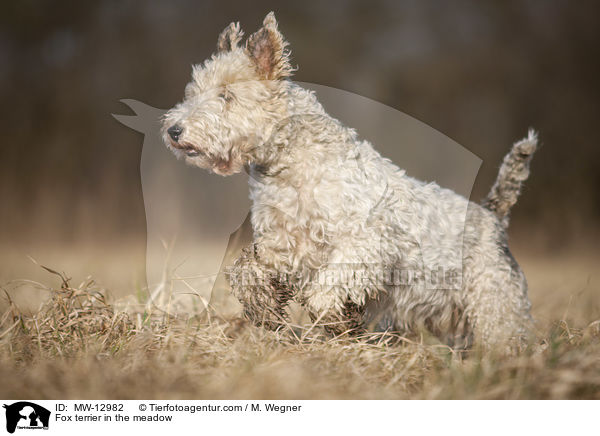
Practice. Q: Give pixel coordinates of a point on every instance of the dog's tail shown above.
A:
(513, 172)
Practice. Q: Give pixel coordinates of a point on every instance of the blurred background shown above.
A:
(479, 72)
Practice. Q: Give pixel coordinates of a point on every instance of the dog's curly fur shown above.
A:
(326, 205)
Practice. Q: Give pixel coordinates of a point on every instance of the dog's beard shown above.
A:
(227, 166)
(221, 165)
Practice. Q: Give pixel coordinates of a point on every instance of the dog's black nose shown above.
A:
(175, 132)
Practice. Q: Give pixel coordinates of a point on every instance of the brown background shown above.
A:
(479, 72)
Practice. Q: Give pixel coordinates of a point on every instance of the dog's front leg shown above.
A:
(336, 318)
(347, 320)
(263, 294)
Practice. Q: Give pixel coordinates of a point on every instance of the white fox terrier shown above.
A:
(326, 204)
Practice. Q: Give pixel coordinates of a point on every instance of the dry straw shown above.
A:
(79, 345)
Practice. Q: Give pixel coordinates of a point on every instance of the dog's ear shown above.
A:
(229, 38)
(268, 49)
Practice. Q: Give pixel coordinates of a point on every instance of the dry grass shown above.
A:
(79, 345)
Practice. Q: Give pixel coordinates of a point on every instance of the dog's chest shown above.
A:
(289, 223)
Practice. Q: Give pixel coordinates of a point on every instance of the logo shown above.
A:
(26, 415)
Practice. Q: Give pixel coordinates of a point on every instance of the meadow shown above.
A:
(82, 342)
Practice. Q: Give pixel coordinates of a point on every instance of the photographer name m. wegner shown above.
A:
(248, 407)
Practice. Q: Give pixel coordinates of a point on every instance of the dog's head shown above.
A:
(232, 102)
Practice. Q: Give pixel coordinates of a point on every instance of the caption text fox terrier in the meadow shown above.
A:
(326, 204)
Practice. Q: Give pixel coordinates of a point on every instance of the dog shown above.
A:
(326, 204)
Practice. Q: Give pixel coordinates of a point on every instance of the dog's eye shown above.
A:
(225, 95)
